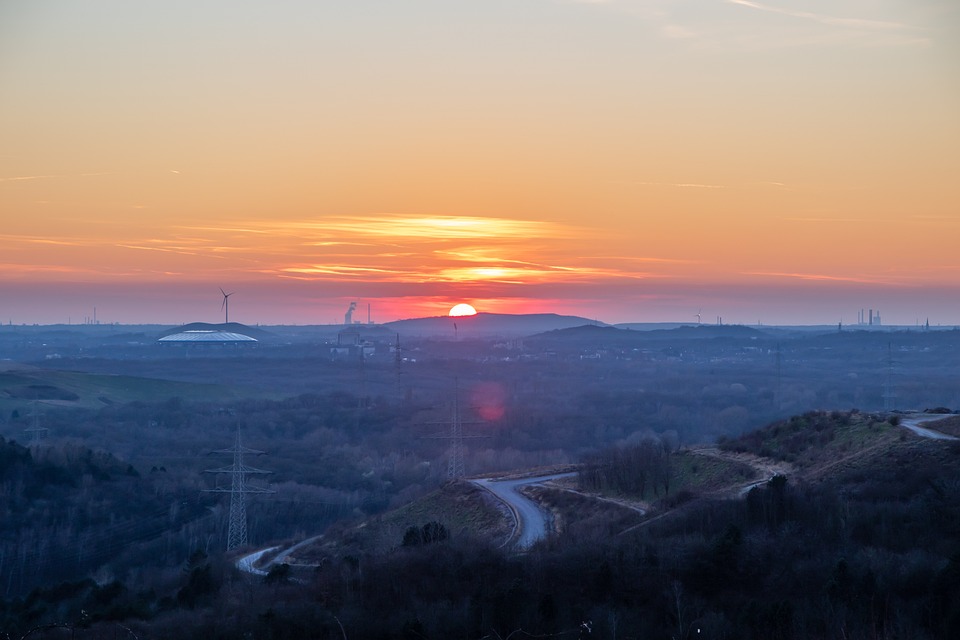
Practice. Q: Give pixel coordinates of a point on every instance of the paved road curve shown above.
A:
(247, 562)
(530, 518)
(913, 423)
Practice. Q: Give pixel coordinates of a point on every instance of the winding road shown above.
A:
(531, 522)
(247, 563)
(913, 422)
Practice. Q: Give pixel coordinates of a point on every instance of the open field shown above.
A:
(20, 388)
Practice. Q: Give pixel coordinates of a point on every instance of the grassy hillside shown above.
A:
(818, 440)
(861, 540)
(67, 510)
(462, 508)
(22, 386)
(949, 425)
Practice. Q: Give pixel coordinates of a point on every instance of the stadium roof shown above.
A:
(207, 336)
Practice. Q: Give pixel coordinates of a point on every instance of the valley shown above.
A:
(677, 454)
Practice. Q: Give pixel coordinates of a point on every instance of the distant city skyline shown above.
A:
(783, 162)
(284, 305)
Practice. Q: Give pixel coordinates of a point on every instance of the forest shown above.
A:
(871, 550)
(109, 528)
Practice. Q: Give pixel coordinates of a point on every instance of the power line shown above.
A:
(36, 433)
(455, 464)
(779, 367)
(237, 532)
(889, 397)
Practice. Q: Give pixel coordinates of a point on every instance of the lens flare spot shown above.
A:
(489, 399)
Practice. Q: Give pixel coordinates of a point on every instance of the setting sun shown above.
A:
(536, 178)
(463, 309)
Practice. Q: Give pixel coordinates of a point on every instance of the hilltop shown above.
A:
(857, 529)
(487, 325)
(815, 448)
(609, 336)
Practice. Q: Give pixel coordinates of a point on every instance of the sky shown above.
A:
(775, 162)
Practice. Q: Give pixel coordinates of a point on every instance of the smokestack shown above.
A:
(368, 314)
(871, 317)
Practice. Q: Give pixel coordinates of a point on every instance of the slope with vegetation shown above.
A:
(67, 511)
(859, 537)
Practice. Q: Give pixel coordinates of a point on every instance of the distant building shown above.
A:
(206, 337)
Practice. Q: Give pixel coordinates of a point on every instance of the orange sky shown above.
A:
(787, 162)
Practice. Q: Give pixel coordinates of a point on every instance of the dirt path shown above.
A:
(639, 507)
(766, 468)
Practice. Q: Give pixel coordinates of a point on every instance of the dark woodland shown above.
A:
(109, 528)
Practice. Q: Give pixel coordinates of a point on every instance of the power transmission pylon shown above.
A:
(36, 433)
(779, 366)
(889, 397)
(398, 369)
(237, 532)
(455, 466)
(455, 469)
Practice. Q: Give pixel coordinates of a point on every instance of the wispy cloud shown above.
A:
(222, 229)
(857, 23)
(13, 269)
(678, 185)
(642, 259)
(337, 270)
(166, 250)
(819, 277)
(394, 248)
(823, 219)
(14, 239)
(387, 249)
(47, 176)
(708, 26)
(24, 178)
(936, 218)
(433, 227)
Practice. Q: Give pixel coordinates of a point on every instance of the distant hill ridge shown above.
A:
(616, 336)
(488, 324)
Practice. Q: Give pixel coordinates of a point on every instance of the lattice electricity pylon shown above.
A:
(398, 368)
(455, 466)
(779, 396)
(889, 397)
(237, 532)
(36, 434)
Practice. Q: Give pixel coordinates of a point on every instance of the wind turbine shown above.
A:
(698, 315)
(225, 307)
